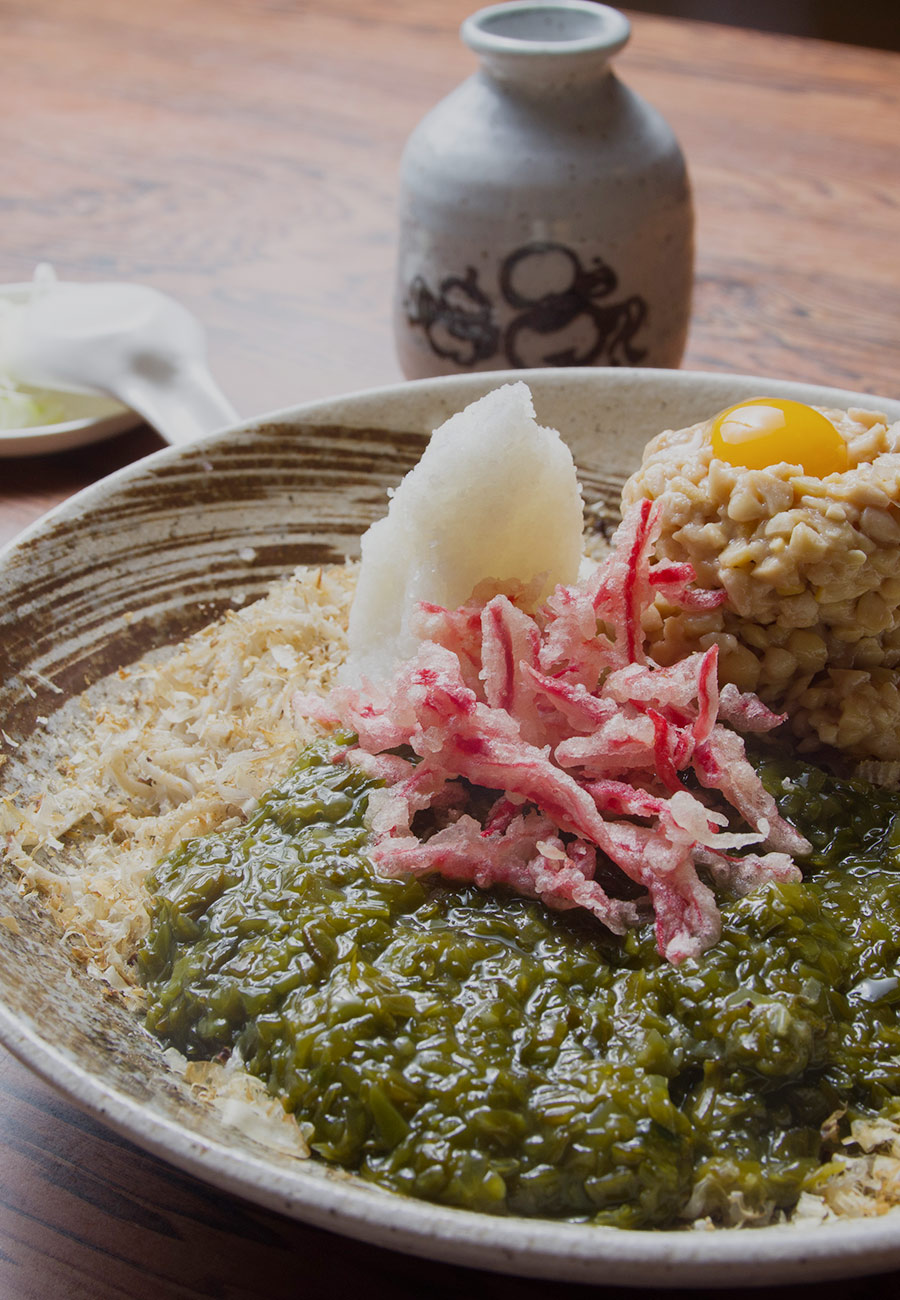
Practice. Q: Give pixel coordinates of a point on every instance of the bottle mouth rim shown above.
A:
(546, 27)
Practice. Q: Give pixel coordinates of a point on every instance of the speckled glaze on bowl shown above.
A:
(157, 550)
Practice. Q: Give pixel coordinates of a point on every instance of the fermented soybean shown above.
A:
(480, 1050)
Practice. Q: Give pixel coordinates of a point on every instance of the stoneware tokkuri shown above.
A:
(545, 208)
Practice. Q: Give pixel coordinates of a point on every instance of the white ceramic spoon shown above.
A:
(125, 340)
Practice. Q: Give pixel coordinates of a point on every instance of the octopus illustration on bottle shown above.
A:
(563, 316)
(458, 320)
(603, 331)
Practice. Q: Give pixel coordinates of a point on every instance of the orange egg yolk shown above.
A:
(771, 431)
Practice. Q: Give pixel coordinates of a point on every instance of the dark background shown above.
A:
(857, 22)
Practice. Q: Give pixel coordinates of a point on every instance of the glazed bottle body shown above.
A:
(546, 219)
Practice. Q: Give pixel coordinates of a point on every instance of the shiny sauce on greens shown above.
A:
(479, 1050)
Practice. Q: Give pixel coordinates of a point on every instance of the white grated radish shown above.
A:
(495, 499)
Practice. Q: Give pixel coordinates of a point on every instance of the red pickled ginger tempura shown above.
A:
(585, 746)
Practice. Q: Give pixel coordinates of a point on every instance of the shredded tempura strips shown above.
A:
(510, 643)
(583, 739)
(721, 764)
(528, 856)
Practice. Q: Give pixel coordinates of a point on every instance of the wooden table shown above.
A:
(243, 157)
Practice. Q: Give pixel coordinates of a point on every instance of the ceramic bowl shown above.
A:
(158, 549)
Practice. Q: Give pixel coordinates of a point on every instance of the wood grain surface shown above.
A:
(242, 155)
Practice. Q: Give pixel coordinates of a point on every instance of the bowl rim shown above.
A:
(473, 381)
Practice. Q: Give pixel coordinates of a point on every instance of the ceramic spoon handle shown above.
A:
(182, 402)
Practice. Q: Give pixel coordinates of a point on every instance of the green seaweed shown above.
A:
(480, 1050)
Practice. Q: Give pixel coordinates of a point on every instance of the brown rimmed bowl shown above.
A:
(158, 549)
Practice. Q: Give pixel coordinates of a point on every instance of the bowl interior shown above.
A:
(141, 559)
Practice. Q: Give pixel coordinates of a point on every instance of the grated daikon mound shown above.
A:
(495, 499)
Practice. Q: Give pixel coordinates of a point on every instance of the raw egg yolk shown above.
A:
(769, 430)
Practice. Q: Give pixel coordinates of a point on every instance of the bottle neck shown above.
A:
(538, 47)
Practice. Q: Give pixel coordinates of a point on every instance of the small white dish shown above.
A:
(87, 417)
(127, 341)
